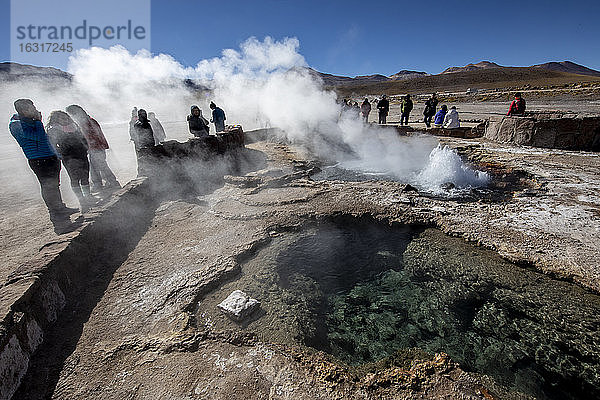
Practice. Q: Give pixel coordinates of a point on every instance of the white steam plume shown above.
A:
(262, 84)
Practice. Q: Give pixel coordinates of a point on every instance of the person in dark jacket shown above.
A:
(144, 142)
(430, 109)
(218, 117)
(101, 174)
(365, 109)
(197, 123)
(438, 120)
(384, 108)
(27, 129)
(144, 137)
(405, 108)
(517, 107)
(70, 143)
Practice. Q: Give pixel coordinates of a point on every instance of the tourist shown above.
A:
(365, 109)
(101, 175)
(197, 124)
(70, 143)
(132, 121)
(356, 110)
(384, 108)
(451, 119)
(438, 120)
(218, 117)
(405, 108)
(144, 142)
(27, 129)
(344, 105)
(517, 107)
(157, 129)
(430, 108)
(144, 137)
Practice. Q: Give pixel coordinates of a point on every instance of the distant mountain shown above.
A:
(472, 67)
(339, 80)
(371, 78)
(404, 74)
(14, 71)
(563, 66)
(482, 74)
(568, 66)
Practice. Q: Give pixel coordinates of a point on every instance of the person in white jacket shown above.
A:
(451, 120)
(157, 129)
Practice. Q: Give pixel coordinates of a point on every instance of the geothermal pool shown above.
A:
(364, 291)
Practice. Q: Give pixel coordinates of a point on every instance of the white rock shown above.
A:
(238, 305)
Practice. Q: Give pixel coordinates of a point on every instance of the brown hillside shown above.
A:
(504, 77)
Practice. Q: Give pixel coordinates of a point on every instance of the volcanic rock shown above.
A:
(238, 305)
(546, 130)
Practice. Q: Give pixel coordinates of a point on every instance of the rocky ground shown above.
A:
(139, 338)
(134, 333)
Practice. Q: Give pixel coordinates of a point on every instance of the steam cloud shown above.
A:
(261, 85)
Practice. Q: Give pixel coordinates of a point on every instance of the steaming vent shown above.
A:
(442, 172)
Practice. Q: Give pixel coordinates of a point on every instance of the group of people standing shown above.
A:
(430, 112)
(146, 131)
(199, 126)
(441, 118)
(74, 138)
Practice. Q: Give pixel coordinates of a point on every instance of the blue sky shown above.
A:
(360, 37)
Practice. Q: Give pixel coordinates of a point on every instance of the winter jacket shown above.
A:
(198, 124)
(144, 137)
(430, 106)
(439, 117)
(68, 141)
(93, 134)
(365, 108)
(517, 107)
(158, 130)
(383, 106)
(451, 120)
(132, 122)
(407, 106)
(31, 136)
(218, 117)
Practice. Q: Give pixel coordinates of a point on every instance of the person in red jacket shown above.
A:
(517, 107)
(99, 169)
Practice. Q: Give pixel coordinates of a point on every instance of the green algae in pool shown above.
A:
(361, 291)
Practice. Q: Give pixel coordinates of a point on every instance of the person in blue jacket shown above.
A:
(27, 129)
(438, 120)
(218, 117)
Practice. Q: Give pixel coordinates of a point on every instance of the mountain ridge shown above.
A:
(568, 67)
(472, 67)
(13, 71)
